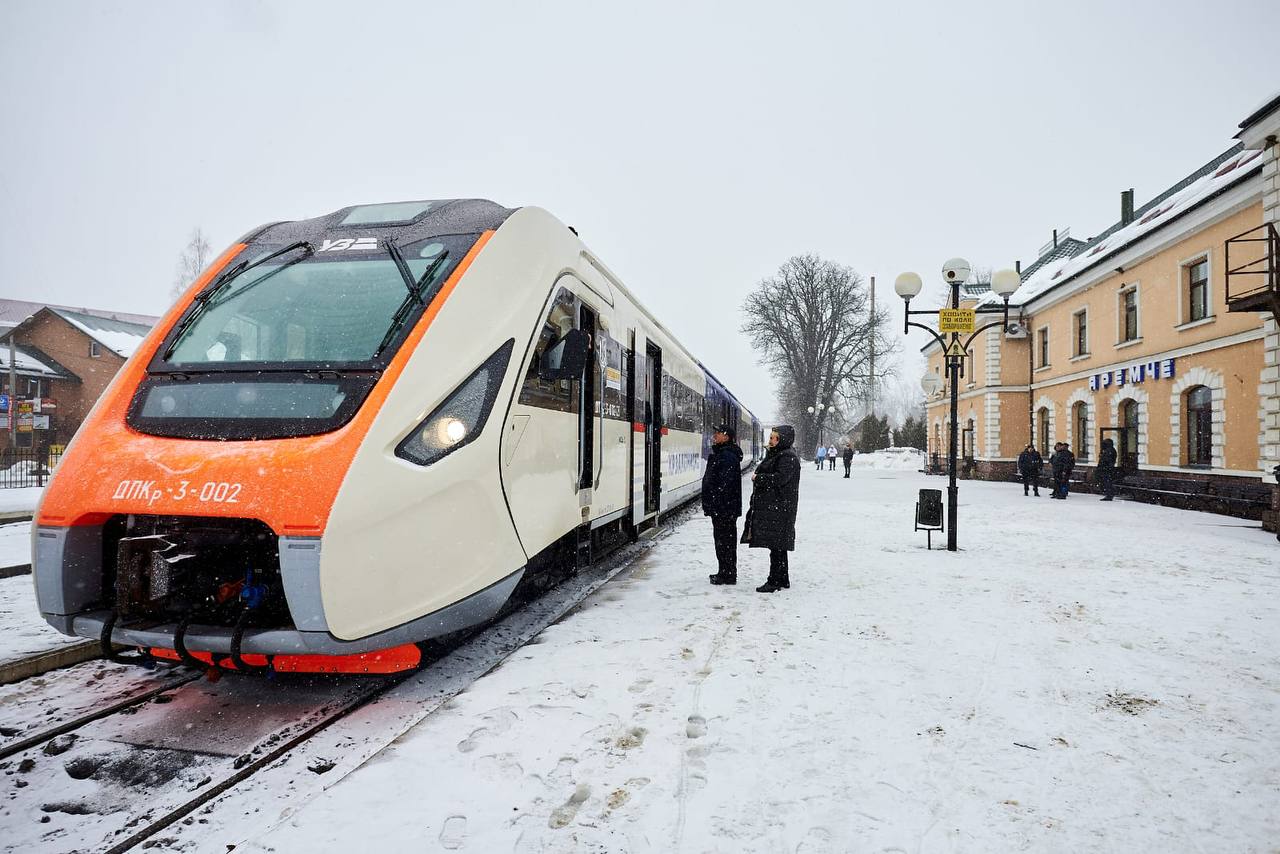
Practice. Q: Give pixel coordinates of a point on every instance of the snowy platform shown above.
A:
(1083, 676)
(23, 632)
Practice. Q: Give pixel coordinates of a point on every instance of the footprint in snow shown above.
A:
(454, 833)
(697, 726)
(816, 841)
(562, 815)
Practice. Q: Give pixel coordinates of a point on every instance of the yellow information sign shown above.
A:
(956, 320)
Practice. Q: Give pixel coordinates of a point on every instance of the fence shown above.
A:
(27, 466)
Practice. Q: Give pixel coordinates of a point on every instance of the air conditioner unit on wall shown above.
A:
(1015, 330)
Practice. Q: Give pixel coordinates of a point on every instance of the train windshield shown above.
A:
(292, 339)
(342, 304)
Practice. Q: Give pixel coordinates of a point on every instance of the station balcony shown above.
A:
(1253, 270)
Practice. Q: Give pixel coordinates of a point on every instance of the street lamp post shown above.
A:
(816, 412)
(958, 322)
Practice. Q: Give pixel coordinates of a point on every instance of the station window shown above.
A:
(1080, 421)
(1129, 314)
(1199, 426)
(1043, 424)
(1081, 321)
(1042, 346)
(95, 349)
(1196, 277)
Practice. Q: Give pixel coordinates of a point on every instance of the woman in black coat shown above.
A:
(775, 498)
(722, 501)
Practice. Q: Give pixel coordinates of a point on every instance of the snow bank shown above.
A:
(21, 499)
(891, 459)
(15, 544)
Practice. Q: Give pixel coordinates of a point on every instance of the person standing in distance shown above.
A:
(831, 456)
(722, 501)
(819, 456)
(775, 498)
(1105, 473)
(1030, 464)
(847, 454)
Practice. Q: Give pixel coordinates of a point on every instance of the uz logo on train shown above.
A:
(349, 244)
(216, 492)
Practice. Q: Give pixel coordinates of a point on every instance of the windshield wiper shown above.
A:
(415, 291)
(204, 300)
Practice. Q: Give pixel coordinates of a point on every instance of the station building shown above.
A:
(1159, 333)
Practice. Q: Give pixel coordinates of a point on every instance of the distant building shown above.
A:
(1159, 333)
(63, 359)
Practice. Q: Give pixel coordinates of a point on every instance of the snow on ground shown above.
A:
(23, 632)
(22, 499)
(1082, 676)
(15, 544)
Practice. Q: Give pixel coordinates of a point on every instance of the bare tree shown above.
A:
(191, 263)
(814, 326)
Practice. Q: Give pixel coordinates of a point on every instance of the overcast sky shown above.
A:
(695, 146)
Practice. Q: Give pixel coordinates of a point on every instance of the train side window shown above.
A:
(551, 394)
(667, 409)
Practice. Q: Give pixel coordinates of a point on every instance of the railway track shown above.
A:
(47, 734)
(133, 783)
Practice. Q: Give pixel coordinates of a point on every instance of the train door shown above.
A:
(629, 402)
(652, 428)
(588, 403)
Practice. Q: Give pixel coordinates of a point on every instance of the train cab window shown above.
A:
(551, 394)
(310, 309)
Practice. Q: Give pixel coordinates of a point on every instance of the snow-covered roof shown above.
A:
(1265, 106)
(1222, 172)
(14, 311)
(119, 336)
(29, 364)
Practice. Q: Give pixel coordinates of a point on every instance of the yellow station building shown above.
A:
(1159, 333)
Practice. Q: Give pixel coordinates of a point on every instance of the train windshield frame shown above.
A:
(292, 345)
(331, 309)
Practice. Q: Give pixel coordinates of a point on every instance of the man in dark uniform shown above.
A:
(722, 500)
(847, 454)
(1030, 464)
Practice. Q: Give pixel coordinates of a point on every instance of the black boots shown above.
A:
(769, 587)
(720, 578)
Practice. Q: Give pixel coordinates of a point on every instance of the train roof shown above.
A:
(404, 220)
(417, 219)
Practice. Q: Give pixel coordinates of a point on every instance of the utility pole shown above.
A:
(871, 386)
(13, 395)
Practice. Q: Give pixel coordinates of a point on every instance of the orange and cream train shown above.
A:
(366, 430)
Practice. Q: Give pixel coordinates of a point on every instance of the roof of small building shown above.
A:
(120, 336)
(14, 311)
(31, 362)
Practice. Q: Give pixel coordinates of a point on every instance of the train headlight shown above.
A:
(451, 432)
(461, 417)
